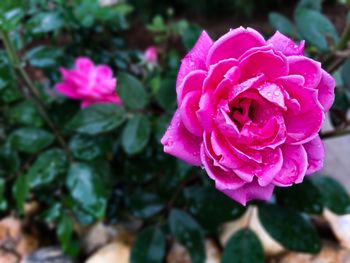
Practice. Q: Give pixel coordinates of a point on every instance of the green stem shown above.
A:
(33, 93)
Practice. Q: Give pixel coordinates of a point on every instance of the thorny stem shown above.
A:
(33, 93)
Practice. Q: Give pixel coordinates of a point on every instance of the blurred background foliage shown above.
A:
(105, 163)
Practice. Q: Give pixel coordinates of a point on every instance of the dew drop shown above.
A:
(170, 142)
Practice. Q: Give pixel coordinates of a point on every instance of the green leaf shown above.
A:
(144, 204)
(52, 213)
(20, 191)
(166, 95)
(87, 188)
(132, 92)
(47, 168)
(187, 231)
(157, 25)
(46, 22)
(97, 118)
(25, 113)
(6, 5)
(203, 202)
(10, 94)
(44, 56)
(3, 201)
(309, 4)
(334, 196)
(10, 19)
(88, 12)
(304, 197)
(345, 74)
(315, 27)
(281, 23)
(136, 134)
(65, 232)
(88, 148)
(148, 247)
(243, 247)
(30, 140)
(9, 159)
(190, 35)
(291, 229)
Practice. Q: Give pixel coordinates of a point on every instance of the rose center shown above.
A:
(241, 111)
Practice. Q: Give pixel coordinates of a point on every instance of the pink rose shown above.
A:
(249, 112)
(89, 83)
(150, 55)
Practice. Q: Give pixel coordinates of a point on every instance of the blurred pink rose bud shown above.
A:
(249, 112)
(150, 55)
(89, 83)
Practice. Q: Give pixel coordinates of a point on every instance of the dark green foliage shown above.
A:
(105, 163)
(243, 247)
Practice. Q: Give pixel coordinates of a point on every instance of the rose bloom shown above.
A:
(249, 112)
(89, 83)
(150, 55)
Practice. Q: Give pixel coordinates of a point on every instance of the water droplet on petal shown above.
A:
(170, 142)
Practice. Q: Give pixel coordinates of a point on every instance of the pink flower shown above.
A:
(150, 55)
(89, 83)
(249, 112)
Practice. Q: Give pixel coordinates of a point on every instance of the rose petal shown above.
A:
(104, 71)
(304, 125)
(306, 67)
(234, 44)
(188, 109)
(294, 165)
(206, 111)
(287, 46)
(272, 164)
(179, 142)
(273, 93)
(223, 179)
(84, 65)
(195, 59)
(326, 90)
(267, 62)
(85, 103)
(192, 82)
(315, 155)
(224, 150)
(250, 191)
(217, 73)
(67, 90)
(253, 82)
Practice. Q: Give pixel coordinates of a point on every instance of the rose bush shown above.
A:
(89, 83)
(249, 112)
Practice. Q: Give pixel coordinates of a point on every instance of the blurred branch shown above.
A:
(335, 133)
(33, 93)
(177, 192)
(341, 53)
